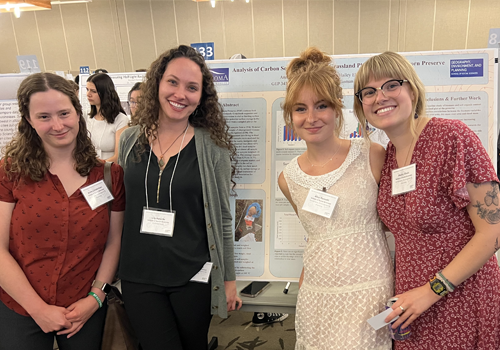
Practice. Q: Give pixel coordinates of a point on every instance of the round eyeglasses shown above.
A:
(391, 88)
(132, 103)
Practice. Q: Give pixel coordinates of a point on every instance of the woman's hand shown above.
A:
(51, 318)
(233, 301)
(79, 313)
(414, 302)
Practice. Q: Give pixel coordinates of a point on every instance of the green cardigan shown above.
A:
(215, 171)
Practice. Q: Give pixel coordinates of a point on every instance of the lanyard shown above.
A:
(161, 171)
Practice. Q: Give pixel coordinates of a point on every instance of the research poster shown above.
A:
(459, 85)
(123, 83)
(268, 236)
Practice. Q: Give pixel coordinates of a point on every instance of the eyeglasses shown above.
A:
(132, 103)
(391, 88)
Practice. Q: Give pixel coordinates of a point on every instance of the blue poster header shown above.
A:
(466, 68)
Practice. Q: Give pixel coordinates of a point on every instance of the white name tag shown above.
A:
(378, 322)
(204, 274)
(96, 194)
(320, 203)
(158, 222)
(404, 179)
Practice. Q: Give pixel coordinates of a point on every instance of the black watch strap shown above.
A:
(438, 287)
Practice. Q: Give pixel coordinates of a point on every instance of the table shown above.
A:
(271, 299)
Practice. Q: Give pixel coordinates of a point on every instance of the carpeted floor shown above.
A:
(238, 333)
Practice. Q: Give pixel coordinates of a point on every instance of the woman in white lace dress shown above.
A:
(347, 276)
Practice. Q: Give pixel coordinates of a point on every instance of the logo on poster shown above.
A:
(221, 75)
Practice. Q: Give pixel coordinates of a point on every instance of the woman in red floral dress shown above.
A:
(439, 197)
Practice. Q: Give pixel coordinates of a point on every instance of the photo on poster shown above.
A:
(248, 214)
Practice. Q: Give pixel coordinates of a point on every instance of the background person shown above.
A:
(134, 96)
(445, 220)
(347, 275)
(52, 244)
(178, 158)
(107, 119)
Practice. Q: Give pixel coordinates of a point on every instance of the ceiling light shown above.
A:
(213, 3)
(24, 5)
(17, 12)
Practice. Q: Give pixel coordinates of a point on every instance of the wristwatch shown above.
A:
(438, 287)
(106, 288)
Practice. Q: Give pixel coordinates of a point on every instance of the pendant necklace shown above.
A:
(161, 162)
(328, 161)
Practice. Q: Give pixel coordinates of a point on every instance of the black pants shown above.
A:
(173, 318)
(22, 332)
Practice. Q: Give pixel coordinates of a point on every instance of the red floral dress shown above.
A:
(431, 226)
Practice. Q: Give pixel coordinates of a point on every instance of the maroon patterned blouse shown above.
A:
(431, 226)
(57, 241)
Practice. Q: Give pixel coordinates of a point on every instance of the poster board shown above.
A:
(459, 84)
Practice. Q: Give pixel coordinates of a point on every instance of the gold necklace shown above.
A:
(328, 161)
(161, 162)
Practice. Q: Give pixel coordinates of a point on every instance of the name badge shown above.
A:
(97, 194)
(158, 222)
(404, 179)
(204, 274)
(99, 153)
(320, 203)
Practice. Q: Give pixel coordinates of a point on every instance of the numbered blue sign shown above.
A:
(205, 49)
(84, 70)
(28, 64)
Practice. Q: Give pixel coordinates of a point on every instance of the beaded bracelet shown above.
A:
(96, 297)
(443, 279)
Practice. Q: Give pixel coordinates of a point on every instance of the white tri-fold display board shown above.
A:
(459, 85)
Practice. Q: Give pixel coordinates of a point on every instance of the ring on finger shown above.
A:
(402, 309)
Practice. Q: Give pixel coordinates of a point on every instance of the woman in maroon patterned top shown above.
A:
(56, 253)
(439, 197)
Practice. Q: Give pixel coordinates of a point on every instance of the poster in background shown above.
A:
(461, 85)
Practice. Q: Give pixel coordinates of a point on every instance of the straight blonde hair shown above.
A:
(389, 65)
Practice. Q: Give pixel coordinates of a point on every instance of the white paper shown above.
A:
(404, 179)
(204, 274)
(158, 222)
(320, 203)
(378, 322)
(97, 194)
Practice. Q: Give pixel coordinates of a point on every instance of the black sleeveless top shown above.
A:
(164, 261)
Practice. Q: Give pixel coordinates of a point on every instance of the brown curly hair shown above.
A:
(207, 115)
(313, 69)
(25, 153)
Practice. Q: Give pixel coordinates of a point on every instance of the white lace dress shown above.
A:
(348, 273)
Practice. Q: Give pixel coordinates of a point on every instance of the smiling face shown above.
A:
(389, 113)
(313, 119)
(180, 89)
(92, 95)
(54, 119)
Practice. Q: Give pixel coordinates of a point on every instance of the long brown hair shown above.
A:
(25, 154)
(110, 101)
(208, 115)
